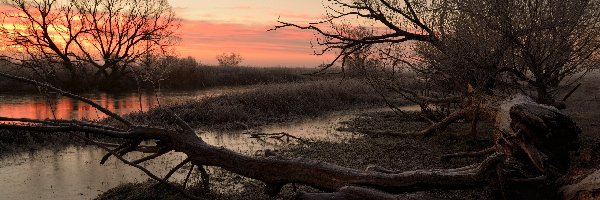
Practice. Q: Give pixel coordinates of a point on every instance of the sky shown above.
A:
(211, 27)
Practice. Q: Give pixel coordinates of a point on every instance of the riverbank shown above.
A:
(398, 153)
(265, 104)
(407, 153)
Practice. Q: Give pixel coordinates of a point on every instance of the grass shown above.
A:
(204, 76)
(178, 76)
(268, 103)
(147, 191)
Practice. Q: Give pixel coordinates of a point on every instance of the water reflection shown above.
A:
(52, 106)
(74, 173)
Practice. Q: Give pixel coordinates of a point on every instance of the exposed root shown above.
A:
(277, 136)
(469, 154)
(459, 114)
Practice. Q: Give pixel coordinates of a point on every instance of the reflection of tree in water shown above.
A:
(52, 106)
(40, 106)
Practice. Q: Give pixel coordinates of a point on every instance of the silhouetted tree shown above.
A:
(106, 35)
(229, 59)
(467, 49)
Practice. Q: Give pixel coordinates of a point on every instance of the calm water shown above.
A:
(48, 106)
(75, 172)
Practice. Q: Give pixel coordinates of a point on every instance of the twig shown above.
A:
(161, 152)
(146, 171)
(70, 95)
(205, 177)
(118, 148)
(277, 136)
(166, 178)
(143, 149)
(123, 149)
(571, 92)
(187, 177)
(182, 124)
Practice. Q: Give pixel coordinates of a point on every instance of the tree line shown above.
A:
(482, 56)
(110, 45)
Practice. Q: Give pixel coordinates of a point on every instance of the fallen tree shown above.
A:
(530, 153)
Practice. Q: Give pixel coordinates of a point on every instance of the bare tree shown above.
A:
(470, 53)
(533, 135)
(531, 143)
(553, 41)
(107, 35)
(543, 45)
(229, 59)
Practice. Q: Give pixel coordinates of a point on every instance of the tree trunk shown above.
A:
(543, 96)
(532, 152)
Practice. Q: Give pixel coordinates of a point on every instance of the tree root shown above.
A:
(277, 136)
(469, 154)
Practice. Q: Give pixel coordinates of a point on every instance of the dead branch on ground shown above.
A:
(538, 136)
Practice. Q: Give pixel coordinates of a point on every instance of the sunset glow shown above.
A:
(210, 28)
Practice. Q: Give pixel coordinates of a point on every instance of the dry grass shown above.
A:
(271, 103)
(268, 103)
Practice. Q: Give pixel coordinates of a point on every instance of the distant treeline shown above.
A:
(203, 76)
(165, 73)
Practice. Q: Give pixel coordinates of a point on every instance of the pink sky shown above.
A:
(212, 27)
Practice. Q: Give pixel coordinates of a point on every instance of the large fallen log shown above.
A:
(532, 152)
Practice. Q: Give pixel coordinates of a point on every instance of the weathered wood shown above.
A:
(349, 193)
(537, 151)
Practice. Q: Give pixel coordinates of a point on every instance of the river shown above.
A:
(75, 172)
(49, 106)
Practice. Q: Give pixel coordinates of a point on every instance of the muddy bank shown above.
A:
(72, 172)
(397, 153)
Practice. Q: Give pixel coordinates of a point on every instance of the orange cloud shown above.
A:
(287, 47)
(204, 39)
